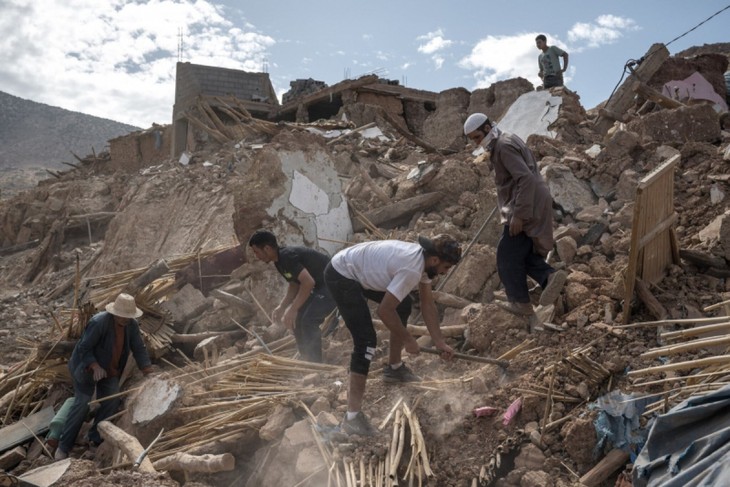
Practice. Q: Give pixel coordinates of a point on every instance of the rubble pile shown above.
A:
(394, 171)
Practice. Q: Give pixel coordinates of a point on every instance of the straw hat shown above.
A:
(124, 307)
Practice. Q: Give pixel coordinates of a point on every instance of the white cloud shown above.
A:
(116, 59)
(434, 42)
(497, 58)
(366, 37)
(406, 65)
(606, 29)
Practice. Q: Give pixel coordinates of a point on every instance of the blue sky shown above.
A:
(116, 58)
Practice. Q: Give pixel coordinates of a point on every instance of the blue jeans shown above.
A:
(351, 301)
(516, 259)
(84, 386)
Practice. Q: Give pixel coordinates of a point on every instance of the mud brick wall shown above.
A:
(141, 149)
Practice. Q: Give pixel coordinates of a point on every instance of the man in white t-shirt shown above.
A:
(386, 271)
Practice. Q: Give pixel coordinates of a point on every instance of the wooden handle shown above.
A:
(469, 358)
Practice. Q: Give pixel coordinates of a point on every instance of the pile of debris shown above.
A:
(641, 229)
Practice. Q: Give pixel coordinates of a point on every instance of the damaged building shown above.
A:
(621, 357)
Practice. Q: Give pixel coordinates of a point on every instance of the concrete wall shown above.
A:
(192, 80)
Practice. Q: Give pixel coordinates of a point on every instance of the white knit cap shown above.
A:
(474, 121)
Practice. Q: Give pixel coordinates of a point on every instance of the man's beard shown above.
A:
(431, 272)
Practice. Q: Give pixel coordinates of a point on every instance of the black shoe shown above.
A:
(359, 425)
(401, 374)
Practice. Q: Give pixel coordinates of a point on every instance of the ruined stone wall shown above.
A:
(140, 149)
(391, 104)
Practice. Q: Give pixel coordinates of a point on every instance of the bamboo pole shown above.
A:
(699, 330)
(684, 347)
(681, 321)
(690, 364)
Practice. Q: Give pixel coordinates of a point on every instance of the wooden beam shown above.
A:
(651, 94)
(605, 468)
(127, 443)
(652, 303)
(623, 98)
(399, 212)
(26, 429)
(197, 463)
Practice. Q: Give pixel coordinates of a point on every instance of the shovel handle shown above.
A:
(469, 358)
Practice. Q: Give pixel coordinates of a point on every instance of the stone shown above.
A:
(473, 272)
(496, 100)
(530, 457)
(593, 151)
(444, 127)
(581, 435)
(536, 479)
(321, 404)
(185, 305)
(568, 192)
(567, 248)
(280, 419)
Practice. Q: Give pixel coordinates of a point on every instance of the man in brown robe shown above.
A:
(526, 212)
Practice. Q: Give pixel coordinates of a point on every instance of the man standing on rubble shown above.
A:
(307, 301)
(527, 215)
(550, 72)
(386, 271)
(97, 361)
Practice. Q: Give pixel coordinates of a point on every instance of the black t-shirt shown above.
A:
(292, 260)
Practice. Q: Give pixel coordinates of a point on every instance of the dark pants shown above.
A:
(516, 259)
(351, 301)
(552, 80)
(84, 386)
(310, 316)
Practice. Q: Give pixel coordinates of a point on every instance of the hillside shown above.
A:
(35, 135)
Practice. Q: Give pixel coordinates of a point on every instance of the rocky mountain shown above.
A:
(37, 135)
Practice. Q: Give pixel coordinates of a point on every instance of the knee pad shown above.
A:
(360, 361)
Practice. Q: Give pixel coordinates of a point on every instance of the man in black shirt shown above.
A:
(307, 301)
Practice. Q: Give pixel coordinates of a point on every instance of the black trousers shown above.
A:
(309, 318)
(516, 259)
(351, 299)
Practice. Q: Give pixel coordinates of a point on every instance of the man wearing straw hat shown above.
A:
(97, 361)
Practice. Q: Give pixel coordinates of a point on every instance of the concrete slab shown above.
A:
(532, 113)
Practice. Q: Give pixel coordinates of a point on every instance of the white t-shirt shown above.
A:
(384, 265)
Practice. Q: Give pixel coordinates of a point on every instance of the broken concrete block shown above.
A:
(279, 420)
(470, 277)
(299, 435)
(154, 400)
(568, 192)
(532, 113)
(186, 304)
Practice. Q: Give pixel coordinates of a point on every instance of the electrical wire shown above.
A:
(633, 62)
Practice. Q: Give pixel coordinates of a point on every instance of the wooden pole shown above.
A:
(197, 463)
(691, 364)
(469, 358)
(127, 443)
(613, 461)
